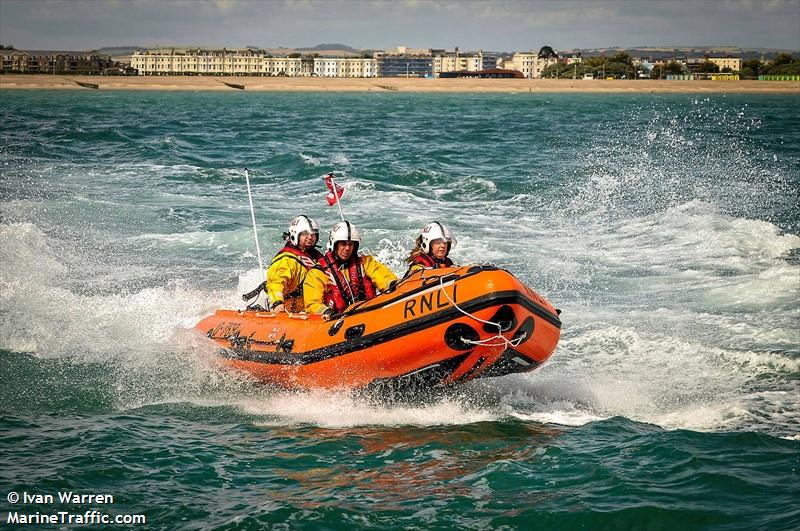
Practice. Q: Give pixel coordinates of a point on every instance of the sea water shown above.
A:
(664, 227)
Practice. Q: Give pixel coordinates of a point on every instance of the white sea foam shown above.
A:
(342, 410)
(606, 370)
(649, 364)
(46, 317)
(231, 242)
(311, 161)
(676, 310)
(340, 160)
(564, 414)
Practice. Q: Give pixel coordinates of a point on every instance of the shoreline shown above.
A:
(416, 85)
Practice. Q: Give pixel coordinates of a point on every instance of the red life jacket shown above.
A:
(344, 291)
(307, 258)
(430, 262)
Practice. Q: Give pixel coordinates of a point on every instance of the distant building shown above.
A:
(404, 50)
(405, 65)
(197, 62)
(455, 61)
(55, 62)
(240, 62)
(734, 63)
(649, 66)
(345, 67)
(326, 67)
(489, 60)
(529, 64)
(284, 66)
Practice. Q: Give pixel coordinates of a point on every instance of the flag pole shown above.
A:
(255, 231)
(337, 196)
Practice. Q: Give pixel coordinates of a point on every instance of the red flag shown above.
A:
(333, 195)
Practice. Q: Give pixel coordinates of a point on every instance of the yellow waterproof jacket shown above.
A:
(317, 282)
(285, 278)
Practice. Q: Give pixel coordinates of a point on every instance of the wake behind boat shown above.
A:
(437, 328)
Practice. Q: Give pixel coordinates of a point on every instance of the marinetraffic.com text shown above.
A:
(69, 508)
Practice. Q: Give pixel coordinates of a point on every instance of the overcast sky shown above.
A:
(496, 25)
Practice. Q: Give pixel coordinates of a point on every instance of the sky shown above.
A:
(493, 25)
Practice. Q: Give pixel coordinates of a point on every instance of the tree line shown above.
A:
(621, 66)
(783, 65)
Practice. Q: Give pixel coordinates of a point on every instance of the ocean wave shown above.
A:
(670, 244)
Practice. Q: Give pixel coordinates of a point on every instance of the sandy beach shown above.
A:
(315, 84)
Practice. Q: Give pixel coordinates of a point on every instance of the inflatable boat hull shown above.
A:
(429, 331)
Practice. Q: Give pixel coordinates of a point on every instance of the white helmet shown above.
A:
(299, 225)
(436, 231)
(342, 232)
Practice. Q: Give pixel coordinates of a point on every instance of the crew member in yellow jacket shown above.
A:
(342, 276)
(288, 269)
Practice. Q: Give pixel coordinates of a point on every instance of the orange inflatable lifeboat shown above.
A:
(438, 327)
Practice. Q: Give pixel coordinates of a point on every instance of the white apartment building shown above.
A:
(345, 67)
(180, 61)
(455, 62)
(326, 67)
(529, 64)
(283, 66)
(247, 62)
(734, 63)
(360, 67)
